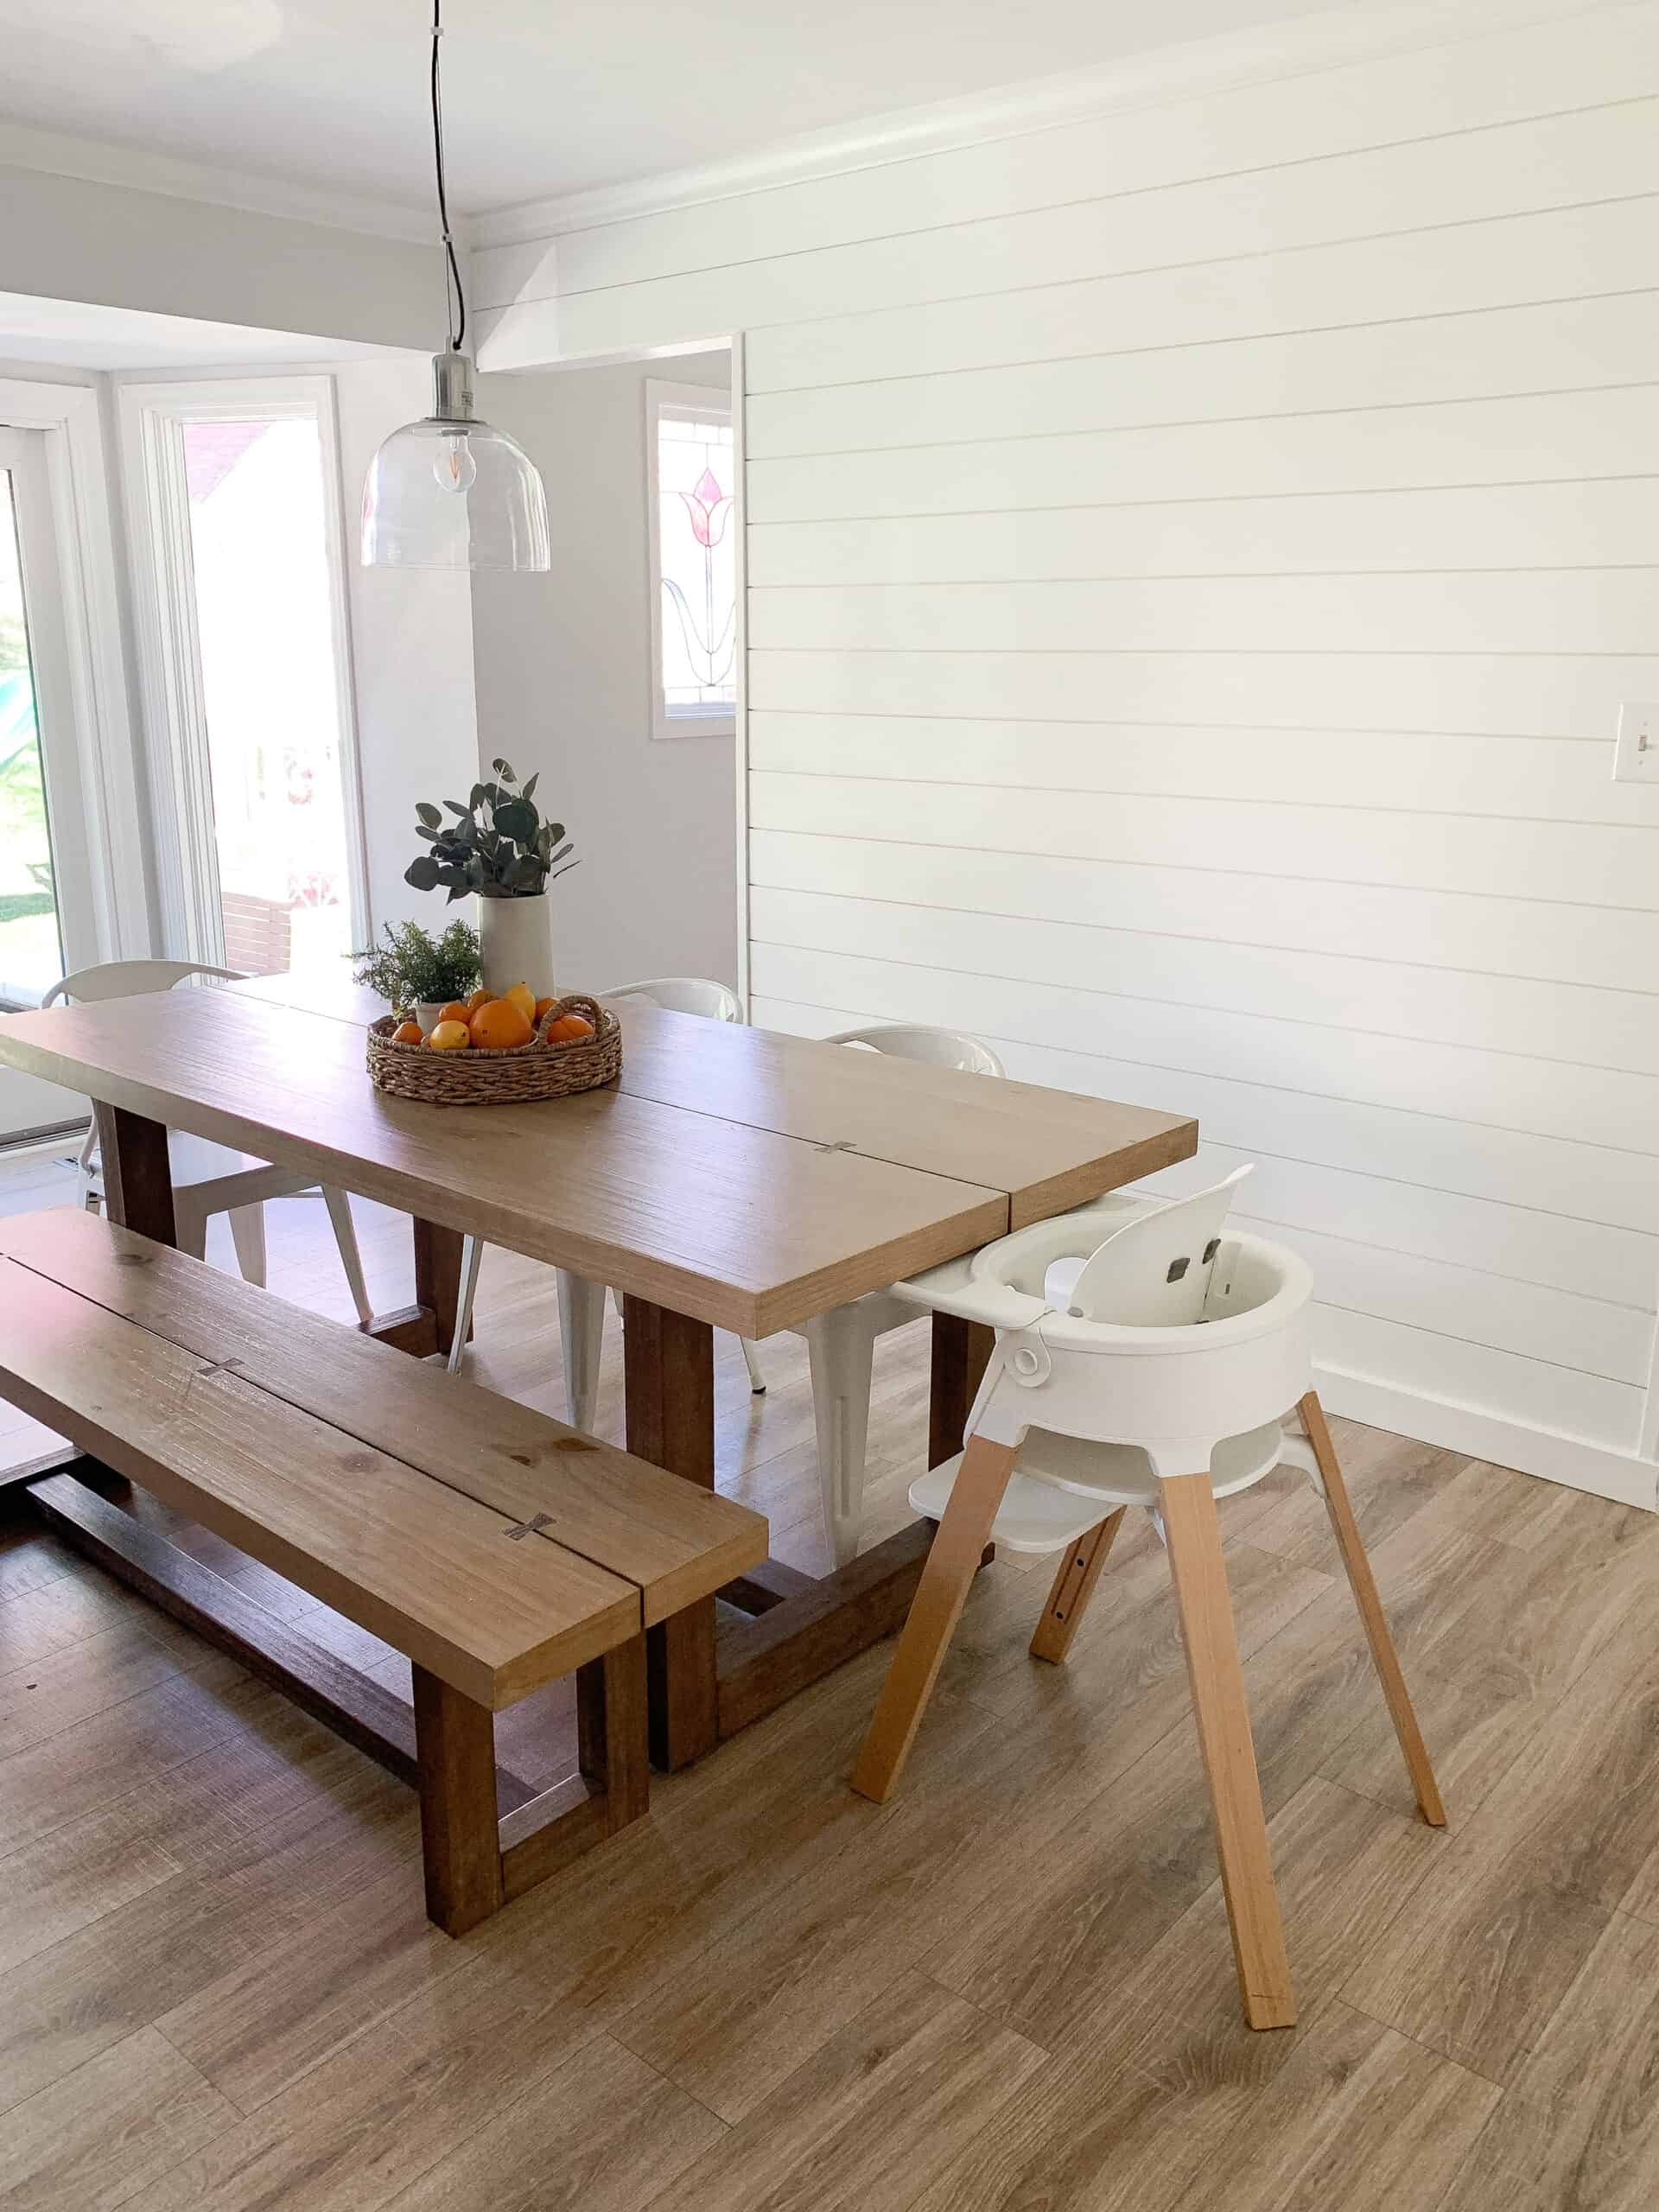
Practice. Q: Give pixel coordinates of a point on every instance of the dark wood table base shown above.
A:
(705, 1682)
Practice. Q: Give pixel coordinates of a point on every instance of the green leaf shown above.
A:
(517, 821)
(528, 790)
(481, 797)
(502, 769)
(455, 806)
(422, 872)
(560, 855)
(428, 816)
(556, 830)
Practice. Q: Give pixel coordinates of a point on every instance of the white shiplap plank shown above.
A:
(1528, 611)
(1581, 346)
(1566, 254)
(1605, 523)
(1612, 947)
(1536, 438)
(1590, 864)
(1502, 1013)
(1547, 162)
(1547, 779)
(1467, 83)
(1542, 1098)
(1578, 1187)
(1478, 693)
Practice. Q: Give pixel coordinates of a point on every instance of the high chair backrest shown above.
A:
(126, 979)
(1154, 1273)
(684, 995)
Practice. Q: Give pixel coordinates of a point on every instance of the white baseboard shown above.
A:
(1571, 1460)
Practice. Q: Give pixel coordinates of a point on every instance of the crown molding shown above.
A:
(1296, 46)
(135, 169)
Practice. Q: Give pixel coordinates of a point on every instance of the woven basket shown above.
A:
(477, 1078)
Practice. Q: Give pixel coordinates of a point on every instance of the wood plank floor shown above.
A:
(1009, 1990)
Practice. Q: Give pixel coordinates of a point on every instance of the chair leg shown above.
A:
(1363, 1584)
(471, 1252)
(841, 1349)
(752, 1360)
(1073, 1587)
(581, 1338)
(248, 1235)
(1224, 1725)
(947, 1575)
(190, 1226)
(340, 1213)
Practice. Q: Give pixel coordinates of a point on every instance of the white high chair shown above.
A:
(208, 1178)
(1140, 1359)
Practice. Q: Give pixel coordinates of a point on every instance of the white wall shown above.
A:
(68, 237)
(1196, 558)
(411, 651)
(563, 680)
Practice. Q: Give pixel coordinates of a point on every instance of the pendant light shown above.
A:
(449, 492)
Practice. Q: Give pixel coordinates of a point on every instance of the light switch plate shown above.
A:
(1636, 752)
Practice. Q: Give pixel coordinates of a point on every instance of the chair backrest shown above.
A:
(937, 1048)
(129, 979)
(1154, 1273)
(684, 995)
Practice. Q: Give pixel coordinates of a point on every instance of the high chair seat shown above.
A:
(1062, 1482)
(1144, 1355)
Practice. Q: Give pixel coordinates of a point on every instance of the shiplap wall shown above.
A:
(1195, 559)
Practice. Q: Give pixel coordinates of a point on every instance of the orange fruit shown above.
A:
(500, 1025)
(524, 998)
(480, 997)
(455, 1012)
(410, 1033)
(567, 1028)
(542, 1006)
(450, 1037)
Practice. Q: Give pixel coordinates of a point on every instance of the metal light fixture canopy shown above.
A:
(449, 492)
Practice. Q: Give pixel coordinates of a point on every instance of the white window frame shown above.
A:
(153, 416)
(708, 402)
(113, 900)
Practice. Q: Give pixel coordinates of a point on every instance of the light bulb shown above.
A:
(454, 464)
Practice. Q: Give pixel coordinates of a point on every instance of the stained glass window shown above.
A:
(693, 567)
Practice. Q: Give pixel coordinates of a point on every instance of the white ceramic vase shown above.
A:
(518, 938)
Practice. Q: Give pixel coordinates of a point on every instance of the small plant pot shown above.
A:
(427, 1013)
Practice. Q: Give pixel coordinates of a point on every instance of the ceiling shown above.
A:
(539, 98)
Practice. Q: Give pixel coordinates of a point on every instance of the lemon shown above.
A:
(450, 1037)
(524, 999)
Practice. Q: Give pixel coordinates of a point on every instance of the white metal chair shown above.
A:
(207, 1178)
(1142, 1358)
(582, 1303)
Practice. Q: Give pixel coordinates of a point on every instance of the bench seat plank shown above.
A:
(675, 1541)
(419, 1564)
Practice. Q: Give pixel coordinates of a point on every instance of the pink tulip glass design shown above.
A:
(699, 573)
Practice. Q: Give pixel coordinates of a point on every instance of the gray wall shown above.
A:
(562, 674)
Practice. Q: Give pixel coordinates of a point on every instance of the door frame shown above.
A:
(90, 602)
(158, 512)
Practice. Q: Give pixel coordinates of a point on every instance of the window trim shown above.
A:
(712, 402)
(152, 417)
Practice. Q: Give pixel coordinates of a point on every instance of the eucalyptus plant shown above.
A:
(497, 846)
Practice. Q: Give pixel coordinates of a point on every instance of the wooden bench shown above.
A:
(496, 1547)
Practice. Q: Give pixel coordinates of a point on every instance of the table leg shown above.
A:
(669, 1365)
(137, 1178)
(428, 1326)
(962, 1351)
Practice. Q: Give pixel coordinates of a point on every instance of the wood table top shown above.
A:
(742, 1177)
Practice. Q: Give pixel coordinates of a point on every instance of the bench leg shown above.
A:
(613, 1739)
(138, 1175)
(459, 1843)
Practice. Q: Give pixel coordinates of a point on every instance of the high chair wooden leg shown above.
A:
(952, 1565)
(1073, 1587)
(1361, 1580)
(1193, 1536)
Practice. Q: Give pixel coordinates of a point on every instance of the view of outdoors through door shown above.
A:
(31, 952)
(270, 689)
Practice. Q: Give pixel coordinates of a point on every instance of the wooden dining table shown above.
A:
(730, 1178)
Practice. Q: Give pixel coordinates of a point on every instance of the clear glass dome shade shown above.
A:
(450, 492)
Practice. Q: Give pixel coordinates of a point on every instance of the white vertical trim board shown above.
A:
(89, 605)
(1196, 556)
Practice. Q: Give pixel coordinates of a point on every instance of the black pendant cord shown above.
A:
(454, 299)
